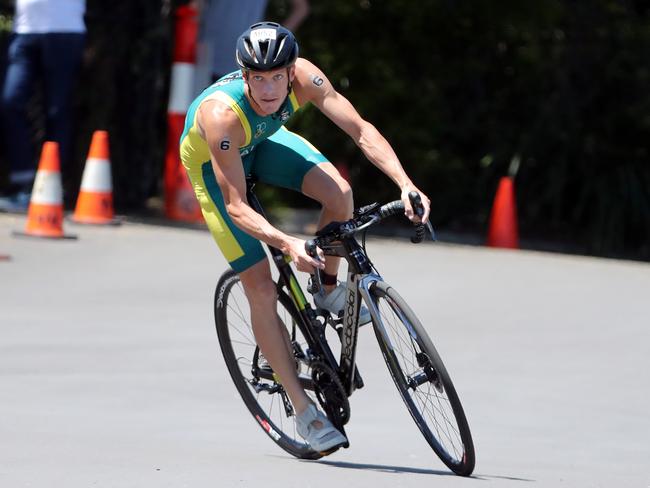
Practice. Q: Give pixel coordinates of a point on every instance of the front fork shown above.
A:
(427, 373)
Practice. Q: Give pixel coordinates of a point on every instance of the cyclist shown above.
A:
(235, 128)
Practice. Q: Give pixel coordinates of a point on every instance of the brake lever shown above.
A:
(316, 284)
(418, 209)
(431, 231)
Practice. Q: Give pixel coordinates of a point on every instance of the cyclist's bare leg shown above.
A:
(325, 184)
(269, 333)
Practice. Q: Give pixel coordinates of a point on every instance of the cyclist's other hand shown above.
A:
(408, 210)
(303, 261)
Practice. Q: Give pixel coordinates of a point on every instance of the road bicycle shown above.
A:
(414, 364)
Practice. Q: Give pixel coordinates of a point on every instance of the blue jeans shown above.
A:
(55, 59)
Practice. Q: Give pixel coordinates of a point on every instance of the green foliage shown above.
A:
(6, 22)
(460, 88)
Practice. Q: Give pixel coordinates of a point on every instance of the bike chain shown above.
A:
(330, 393)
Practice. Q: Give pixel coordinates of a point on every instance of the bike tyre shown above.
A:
(284, 436)
(462, 460)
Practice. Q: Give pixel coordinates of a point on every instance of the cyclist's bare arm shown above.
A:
(222, 130)
(311, 85)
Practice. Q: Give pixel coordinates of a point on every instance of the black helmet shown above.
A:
(266, 46)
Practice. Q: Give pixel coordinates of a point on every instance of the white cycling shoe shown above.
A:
(334, 303)
(323, 439)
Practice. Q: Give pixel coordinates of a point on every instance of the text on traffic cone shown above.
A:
(45, 213)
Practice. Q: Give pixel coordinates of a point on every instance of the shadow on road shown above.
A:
(507, 478)
(384, 468)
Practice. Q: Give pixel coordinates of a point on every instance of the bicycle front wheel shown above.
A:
(258, 386)
(422, 380)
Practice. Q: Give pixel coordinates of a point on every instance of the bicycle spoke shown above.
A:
(389, 321)
(246, 361)
(438, 416)
(397, 327)
(265, 394)
(430, 406)
(425, 402)
(245, 331)
(435, 424)
(238, 312)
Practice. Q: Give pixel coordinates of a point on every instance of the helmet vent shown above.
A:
(249, 48)
(279, 50)
(264, 50)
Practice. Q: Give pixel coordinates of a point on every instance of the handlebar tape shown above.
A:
(418, 209)
(392, 208)
(419, 234)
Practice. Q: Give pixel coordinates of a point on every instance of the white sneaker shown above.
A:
(334, 302)
(323, 438)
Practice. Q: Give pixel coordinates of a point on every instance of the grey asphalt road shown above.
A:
(110, 373)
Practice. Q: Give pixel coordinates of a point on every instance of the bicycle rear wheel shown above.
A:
(422, 380)
(258, 386)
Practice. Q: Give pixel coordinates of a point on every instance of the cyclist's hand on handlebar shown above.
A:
(303, 261)
(408, 209)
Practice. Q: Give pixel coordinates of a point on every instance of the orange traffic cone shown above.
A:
(180, 200)
(95, 201)
(183, 206)
(45, 213)
(503, 230)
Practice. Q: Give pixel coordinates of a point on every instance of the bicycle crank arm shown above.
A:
(269, 375)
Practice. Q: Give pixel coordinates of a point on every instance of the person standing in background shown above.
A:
(220, 24)
(46, 46)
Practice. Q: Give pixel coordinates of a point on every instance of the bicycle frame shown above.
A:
(361, 275)
(311, 327)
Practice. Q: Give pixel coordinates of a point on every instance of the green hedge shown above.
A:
(461, 89)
